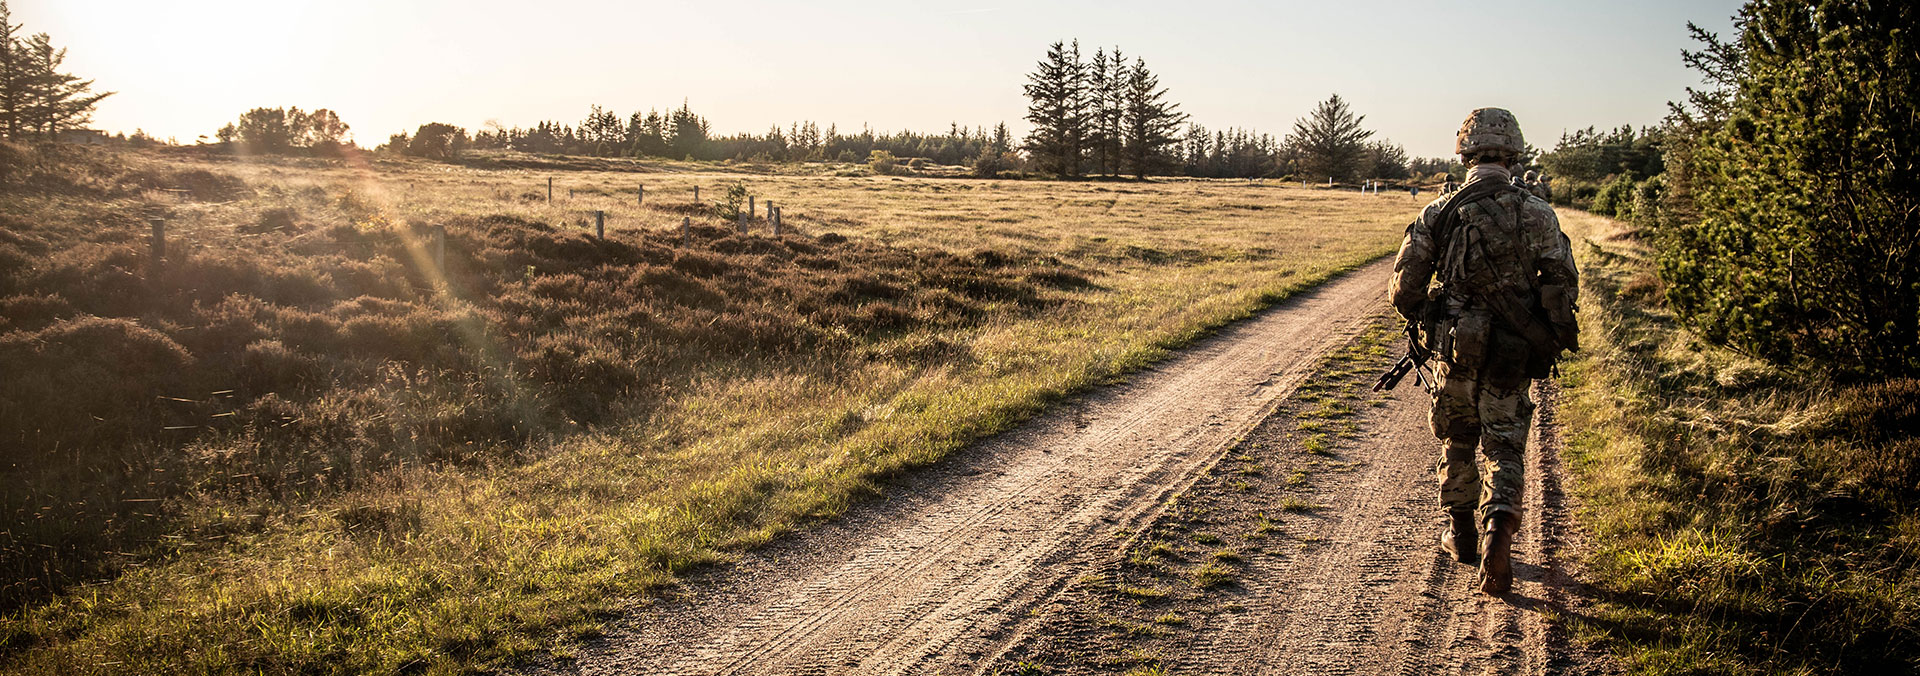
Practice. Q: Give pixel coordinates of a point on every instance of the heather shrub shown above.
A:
(298, 360)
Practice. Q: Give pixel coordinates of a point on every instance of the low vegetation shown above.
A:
(301, 445)
(1747, 519)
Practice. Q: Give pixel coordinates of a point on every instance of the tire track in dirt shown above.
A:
(946, 572)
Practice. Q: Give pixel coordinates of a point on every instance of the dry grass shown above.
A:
(1748, 520)
(438, 470)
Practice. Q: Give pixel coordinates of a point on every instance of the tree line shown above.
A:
(37, 100)
(681, 133)
(1102, 115)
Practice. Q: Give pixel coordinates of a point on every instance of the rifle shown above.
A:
(1415, 362)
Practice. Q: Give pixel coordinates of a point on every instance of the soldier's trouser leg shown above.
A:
(1506, 416)
(1456, 419)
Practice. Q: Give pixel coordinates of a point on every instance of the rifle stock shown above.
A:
(1392, 377)
(1415, 363)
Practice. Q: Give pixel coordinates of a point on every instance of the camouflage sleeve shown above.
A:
(1413, 267)
(1553, 252)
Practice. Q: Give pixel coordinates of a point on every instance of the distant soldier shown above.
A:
(1536, 184)
(1544, 188)
(1499, 311)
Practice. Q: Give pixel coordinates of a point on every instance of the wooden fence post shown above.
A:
(773, 214)
(686, 225)
(640, 196)
(696, 194)
(600, 224)
(549, 190)
(751, 212)
(440, 247)
(159, 248)
(743, 222)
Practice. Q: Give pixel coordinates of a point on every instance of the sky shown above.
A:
(183, 68)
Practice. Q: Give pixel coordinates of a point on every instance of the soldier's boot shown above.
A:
(1496, 553)
(1458, 539)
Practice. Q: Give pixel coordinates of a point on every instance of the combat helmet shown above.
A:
(1489, 129)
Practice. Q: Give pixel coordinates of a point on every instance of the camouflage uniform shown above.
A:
(1507, 243)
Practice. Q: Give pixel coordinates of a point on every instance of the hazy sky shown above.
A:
(185, 67)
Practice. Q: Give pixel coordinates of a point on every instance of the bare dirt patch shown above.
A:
(961, 559)
(1248, 507)
(1311, 547)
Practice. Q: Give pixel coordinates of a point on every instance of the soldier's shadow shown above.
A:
(1527, 572)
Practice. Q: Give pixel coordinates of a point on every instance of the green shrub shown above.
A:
(1646, 201)
(1614, 199)
(1806, 183)
(733, 203)
(882, 162)
(990, 164)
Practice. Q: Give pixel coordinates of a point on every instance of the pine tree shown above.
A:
(1792, 224)
(12, 74)
(1330, 140)
(689, 133)
(1149, 122)
(1113, 111)
(1057, 108)
(51, 100)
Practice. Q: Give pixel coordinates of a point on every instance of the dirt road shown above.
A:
(1008, 556)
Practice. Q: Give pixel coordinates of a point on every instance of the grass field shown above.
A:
(306, 448)
(1747, 520)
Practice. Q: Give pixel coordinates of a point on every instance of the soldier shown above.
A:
(1500, 310)
(1537, 184)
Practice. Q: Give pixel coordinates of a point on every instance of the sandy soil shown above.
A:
(1011, 556)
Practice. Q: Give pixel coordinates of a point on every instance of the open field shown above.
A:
(316, 451)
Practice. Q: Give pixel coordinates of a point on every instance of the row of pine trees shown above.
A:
(1102, 115)
(1099, 115)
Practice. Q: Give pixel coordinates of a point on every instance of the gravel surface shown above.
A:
(1011, 555)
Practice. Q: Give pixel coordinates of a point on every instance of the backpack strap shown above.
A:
(1447, 221)
(1505, 300)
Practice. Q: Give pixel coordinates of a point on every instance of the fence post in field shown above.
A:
(640, 196)
(549, 190)
(751, 212)
(159, 248)
(686, 226)
(439, 248)
(773, 214)
(696, 194)
(600, 224)
(743, 222)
